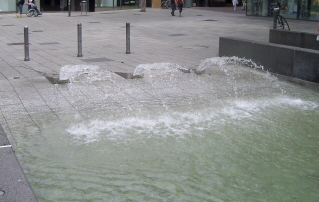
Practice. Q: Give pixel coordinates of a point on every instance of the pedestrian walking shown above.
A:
(20, 6)
(235, 2)
(32, 6)
(244, 5)
(143, 5)
(173, 6)
(180, 4)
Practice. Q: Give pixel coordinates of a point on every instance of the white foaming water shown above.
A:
(179, 124)
(224, 61)
(255, 105)
(163, 67)
(84, 73)
(183, 124)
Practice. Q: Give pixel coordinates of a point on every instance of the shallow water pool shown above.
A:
(232, 134)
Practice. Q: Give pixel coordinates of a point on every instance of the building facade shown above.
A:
(293, 9)
(11, 6)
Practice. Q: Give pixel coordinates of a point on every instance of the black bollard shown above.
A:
(69, 7)
(26, 44)
(79, 40)
(276, 13)
(128, 51)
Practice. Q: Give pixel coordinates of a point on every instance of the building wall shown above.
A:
(156, 4)
(10, 5)
(6, 5)
(291, 9)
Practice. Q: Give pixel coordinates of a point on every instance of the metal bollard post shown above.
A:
(83, 7)
(79, 40)
(128, 51)
(276, 13)
(69, 7)
(26, 44)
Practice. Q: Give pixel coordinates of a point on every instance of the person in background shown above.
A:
(143, 5)
(244, 5)
(33, 7)
(235, 2)
(318, 33)
(180, 4)
(173, 6)
(20, 6)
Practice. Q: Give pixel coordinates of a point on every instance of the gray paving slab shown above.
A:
(29, 100)
(3, 138)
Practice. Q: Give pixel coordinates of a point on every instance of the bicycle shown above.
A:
(281, 21)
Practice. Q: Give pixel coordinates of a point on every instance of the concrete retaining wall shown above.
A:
(285, 60)
(291, 38)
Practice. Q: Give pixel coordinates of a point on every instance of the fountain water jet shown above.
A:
(223, 61)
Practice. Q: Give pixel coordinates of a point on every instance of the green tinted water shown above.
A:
(244, 137)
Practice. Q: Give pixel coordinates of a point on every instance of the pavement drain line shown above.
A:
(14, 44)
(177, 35)
(89, 60)
(49, 43)
(5, 146)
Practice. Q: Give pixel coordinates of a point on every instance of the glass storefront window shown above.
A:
(289, 8)
(252, 7)
(293, 9)
(304, 10)
(314, 9)
(106, 3)
(8, 5)
(257, 7)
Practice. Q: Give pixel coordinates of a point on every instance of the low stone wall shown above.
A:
(291, 38)
(285, 60)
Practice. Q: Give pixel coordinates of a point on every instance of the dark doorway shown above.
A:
(62, 5)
